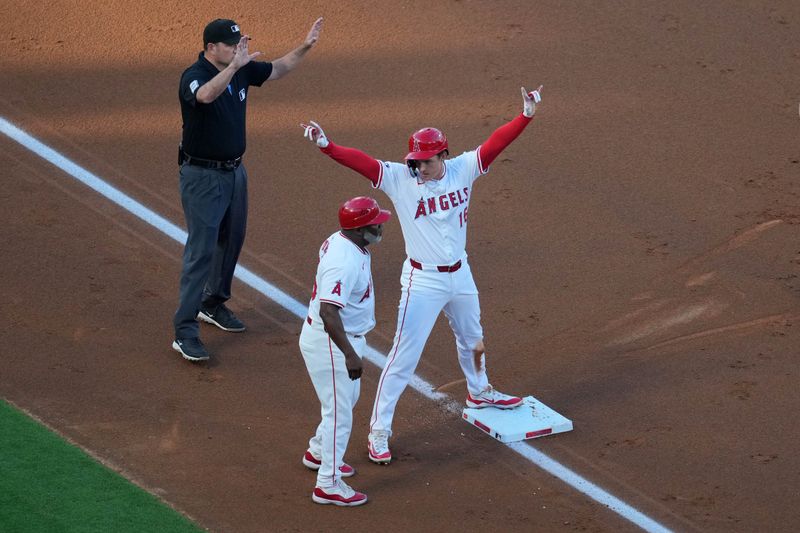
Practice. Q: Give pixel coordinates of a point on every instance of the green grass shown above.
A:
(49, 485)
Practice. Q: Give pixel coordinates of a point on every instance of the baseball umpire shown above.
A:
(431, 195)
(213, 181)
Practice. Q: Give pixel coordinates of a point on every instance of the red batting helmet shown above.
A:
(362, 211)
(426, 143)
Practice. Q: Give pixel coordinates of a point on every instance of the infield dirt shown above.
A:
(636, 251)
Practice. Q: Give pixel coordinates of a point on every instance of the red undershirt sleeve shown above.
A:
(362, 163)
(500, 139)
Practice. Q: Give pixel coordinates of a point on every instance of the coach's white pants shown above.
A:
(424, 295)
(337, 395)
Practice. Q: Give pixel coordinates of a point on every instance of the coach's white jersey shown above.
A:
(344, 279)
(433, 215)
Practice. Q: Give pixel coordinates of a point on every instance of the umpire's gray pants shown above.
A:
(215, 206)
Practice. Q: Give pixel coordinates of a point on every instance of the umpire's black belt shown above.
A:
(230, 164)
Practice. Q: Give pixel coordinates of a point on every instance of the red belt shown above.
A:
(441, 268)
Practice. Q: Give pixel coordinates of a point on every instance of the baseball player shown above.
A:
(431, 196)
(341, 312)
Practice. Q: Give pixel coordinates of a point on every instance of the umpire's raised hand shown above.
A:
(313, 33)
(242, 56)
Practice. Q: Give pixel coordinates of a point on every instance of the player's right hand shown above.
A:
(314, 133)
(354, 367)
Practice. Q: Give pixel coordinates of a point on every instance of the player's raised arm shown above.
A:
(364, 164)
(505, 134)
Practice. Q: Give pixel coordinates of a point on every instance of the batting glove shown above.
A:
(315, 134)
(529, 101)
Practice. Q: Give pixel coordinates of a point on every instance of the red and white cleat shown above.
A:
(492, 398)
(313, 462)
(379, 447)
(340, 494)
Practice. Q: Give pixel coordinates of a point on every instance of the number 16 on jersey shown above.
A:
(462, 217)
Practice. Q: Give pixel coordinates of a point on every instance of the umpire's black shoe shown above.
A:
(222, 317)
(191, 349)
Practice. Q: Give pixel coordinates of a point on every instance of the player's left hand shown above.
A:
(314, 133)
(313, 34)
(529, 101)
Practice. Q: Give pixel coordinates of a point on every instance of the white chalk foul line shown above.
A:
(290, 304)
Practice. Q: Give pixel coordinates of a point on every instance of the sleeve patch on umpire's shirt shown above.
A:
(194, 85)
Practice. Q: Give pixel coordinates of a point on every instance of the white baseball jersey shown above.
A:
(344, 279)
(433, 215)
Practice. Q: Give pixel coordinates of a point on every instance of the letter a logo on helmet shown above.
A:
(426, 143)
(362, 211)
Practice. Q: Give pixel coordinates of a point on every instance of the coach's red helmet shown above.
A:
(362, 211)
(426, 143)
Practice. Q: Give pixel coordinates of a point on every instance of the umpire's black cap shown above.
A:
(221, 31)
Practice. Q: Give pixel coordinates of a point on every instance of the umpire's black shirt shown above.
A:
(217, 130)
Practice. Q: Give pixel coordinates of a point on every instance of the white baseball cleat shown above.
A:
(313, 462)
(340, 494)
(379, 447)
(492, 398)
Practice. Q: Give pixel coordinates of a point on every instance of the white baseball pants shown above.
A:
(337, 395)
(426, 293)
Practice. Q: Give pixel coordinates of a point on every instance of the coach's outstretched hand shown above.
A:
(314, 133)
(529, 101)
